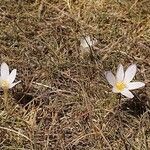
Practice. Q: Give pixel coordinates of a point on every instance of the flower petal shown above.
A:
(12, 76)
(127, 93)
(120, 73)
(4, 70)
(130, 73)
(135, 85)
(110, 77)
(86, 42)
(13, 84)
(114, 90)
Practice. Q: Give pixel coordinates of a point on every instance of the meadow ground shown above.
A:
(64, 101)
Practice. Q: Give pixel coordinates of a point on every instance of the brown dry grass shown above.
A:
(64, 101)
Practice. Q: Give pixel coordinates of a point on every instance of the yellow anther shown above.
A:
(4, 84)
(120, 86)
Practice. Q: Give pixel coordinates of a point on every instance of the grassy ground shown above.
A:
(64, 101)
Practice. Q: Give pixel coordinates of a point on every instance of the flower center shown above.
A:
(120, 86)
(4, 84)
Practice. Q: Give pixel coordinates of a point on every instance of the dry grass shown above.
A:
(64, 101)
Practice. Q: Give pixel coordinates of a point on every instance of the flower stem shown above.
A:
(6, 98)
(119, 99)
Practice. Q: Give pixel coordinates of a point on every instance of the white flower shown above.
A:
(122, 82)
(6, 79)
(86, 42)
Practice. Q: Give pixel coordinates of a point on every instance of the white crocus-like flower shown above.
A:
(122, 82)
(86, 42)
(6, 78)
